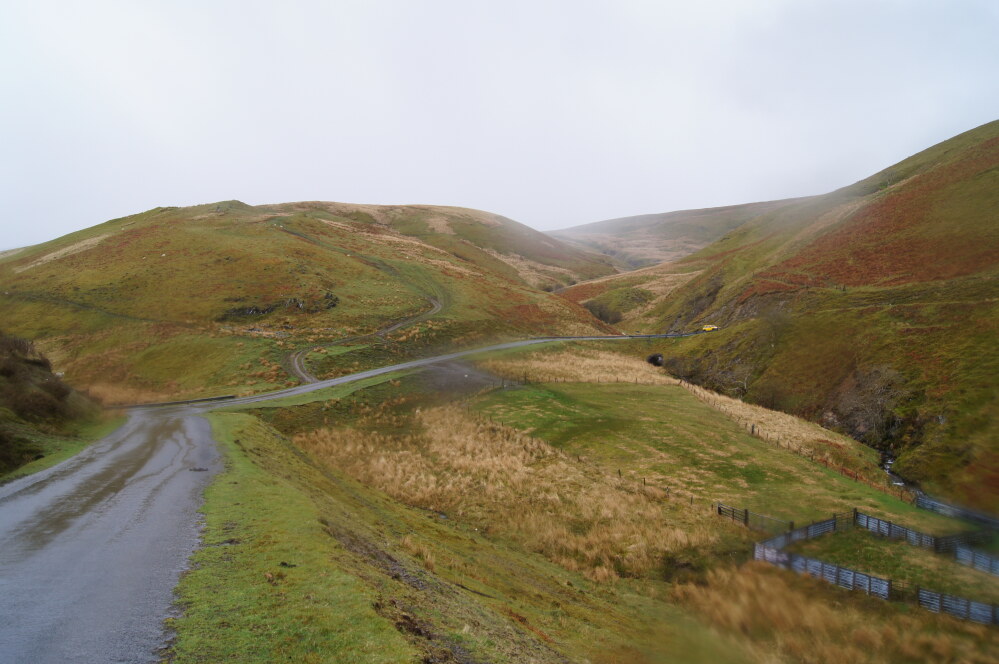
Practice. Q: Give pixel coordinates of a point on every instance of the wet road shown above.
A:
(91, 549)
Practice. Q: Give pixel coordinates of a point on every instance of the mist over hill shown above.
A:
(872, 309)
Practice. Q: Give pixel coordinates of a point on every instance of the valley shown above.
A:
(432, 434)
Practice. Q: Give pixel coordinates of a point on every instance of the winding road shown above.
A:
(91, 549)
(296, 360)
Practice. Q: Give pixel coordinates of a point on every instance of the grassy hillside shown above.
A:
(42, 419)
(211, 299)
(872, 309)
(529, 524)
(648, 239)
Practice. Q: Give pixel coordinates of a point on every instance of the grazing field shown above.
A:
(635, 419)
(369, 578)
(492, 526)
(862, 550)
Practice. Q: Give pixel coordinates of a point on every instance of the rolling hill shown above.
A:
(212, 298)
(649, 239)
(872, 309)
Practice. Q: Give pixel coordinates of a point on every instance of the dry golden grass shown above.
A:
(581, 365)
(763, 605)
(76, 248)
(512, 485)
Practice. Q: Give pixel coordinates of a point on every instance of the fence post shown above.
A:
(745, 517)
(854, 516)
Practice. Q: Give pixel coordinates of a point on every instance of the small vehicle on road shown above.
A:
(709, 328)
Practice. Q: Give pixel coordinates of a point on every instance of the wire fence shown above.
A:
(754, 521)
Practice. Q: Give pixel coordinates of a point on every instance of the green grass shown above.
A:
(666, 436)
(358, 592)
(160, 288)
(57, 448)
(864, 551)
(325, 394)
(240, 604)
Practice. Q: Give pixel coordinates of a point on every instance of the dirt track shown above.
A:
(296, 360)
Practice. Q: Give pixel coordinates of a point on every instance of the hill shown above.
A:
(649, 239)
(212, 298)
(872, 309)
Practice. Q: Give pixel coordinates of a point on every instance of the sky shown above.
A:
(551, 113)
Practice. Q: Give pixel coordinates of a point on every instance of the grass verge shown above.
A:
(58, 448)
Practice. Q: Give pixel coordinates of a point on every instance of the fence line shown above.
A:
(772, 551)
(940, 507)
(959, 607)
(753, 520)
(844, 577)
(917, 538)
(980, 561)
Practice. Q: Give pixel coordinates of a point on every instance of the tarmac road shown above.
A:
(91, 549)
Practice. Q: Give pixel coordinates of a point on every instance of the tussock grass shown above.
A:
(579, 364)
(516, 486)
(806, 620)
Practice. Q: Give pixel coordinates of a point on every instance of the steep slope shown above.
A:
(209, 299)
(648, 239)
(873, 308)
(34, 404)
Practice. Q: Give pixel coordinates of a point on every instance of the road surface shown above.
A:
(91, 549)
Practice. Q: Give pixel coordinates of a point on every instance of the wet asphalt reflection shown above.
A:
(91, 549)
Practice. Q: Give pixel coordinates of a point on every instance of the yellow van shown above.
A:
(709, 328)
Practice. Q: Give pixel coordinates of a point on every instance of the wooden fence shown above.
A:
(772, 551)
(754, 521)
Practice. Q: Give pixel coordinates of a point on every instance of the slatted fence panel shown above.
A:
(880, 587)
(929, 600)
(981, 613)
(955, 606)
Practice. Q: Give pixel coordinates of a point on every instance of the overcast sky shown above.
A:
(551, 113)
